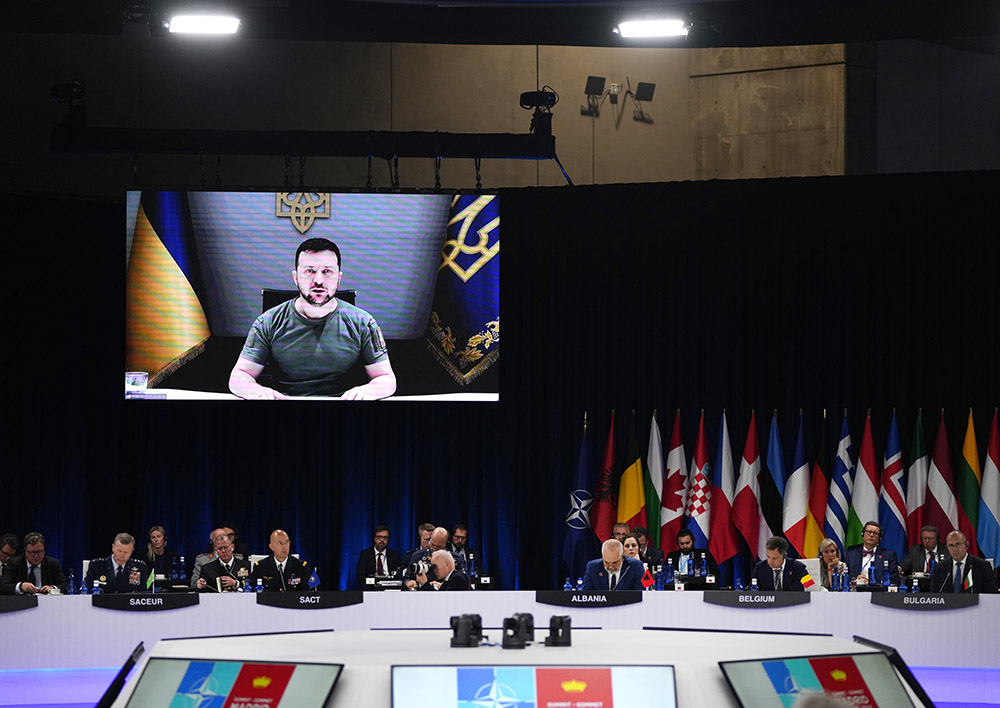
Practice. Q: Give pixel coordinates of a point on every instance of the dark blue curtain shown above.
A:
(857, 292)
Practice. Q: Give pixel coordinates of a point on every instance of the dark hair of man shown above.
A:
(425, 527)
(931, 529)
(777, 543)
(876, 525)
(317, 245)
(685, 532)
(460, 527)
(640, 531)
(378, 529)
(30, 539)
(9, 539)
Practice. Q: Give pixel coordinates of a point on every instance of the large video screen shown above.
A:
(534, 686)
(855, 679)
(169, 683)
(312, 295)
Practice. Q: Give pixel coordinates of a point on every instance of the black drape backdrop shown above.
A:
(823, 293)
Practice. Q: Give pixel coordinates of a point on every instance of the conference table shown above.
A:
(73, 632)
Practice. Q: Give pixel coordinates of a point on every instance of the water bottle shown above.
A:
(182, 571)
(97, 588)
(902, 585)
(703, 568)
(82, 589)
(659, 577)
(886, 575)
(579, 584)
(260, 585)
(916, 586)
(71, 583)
(471, 565)
(738, 584)
(175, 574)
(753, 584)
(692, 569)
(845, 579)
(871, 573)
(246, 585)
(670, 572)
(835, 580)
(567, 586)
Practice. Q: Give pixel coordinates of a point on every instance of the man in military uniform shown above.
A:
(281, 572)
(119, 572)
(226, 573)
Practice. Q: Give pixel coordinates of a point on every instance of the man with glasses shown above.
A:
(8, 549)
(461, 552)
(963, 572)
(869, 554)
(378, 560)
(33, 572)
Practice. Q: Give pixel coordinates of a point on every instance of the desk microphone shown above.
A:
(950, 572)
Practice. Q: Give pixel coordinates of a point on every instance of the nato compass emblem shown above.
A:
(580, 501)
(496, 687)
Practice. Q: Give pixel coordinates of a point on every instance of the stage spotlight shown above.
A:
(595, 86)
(652, 27)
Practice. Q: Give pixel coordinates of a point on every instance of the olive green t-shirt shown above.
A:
(314, 355)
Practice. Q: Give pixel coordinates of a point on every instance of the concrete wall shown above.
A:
(715, 113)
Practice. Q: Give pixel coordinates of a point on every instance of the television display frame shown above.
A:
(161, 660)
(657, 700)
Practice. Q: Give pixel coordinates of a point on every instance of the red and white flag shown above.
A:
(746, 508)
(674, 490)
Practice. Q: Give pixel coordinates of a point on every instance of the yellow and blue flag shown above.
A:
(165, 323)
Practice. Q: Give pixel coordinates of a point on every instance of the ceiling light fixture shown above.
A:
(203, 24)
(652, 27)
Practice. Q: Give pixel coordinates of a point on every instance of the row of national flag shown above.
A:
(736, 505)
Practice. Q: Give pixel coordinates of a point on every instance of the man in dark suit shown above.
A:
(962, 572)
(281, 572)
(447, 577)
(870, 554)
(226, 573)
(378, 560)
(687, 558)
(927, 553)
(8, 550)
(460, 550)
(777, 571)
(34, 572)
(119, 572)
(649, 555)
(613, 570)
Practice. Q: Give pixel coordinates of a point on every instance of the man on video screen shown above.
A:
(314, 338)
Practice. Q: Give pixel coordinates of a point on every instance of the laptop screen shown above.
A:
(170, 683)
(534, 686)
(855, 679)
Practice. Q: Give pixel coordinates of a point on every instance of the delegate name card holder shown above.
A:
(760, 600)
(924, 601)
(590, 598)
(310, 600)
(145, 602)
(16, 603)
